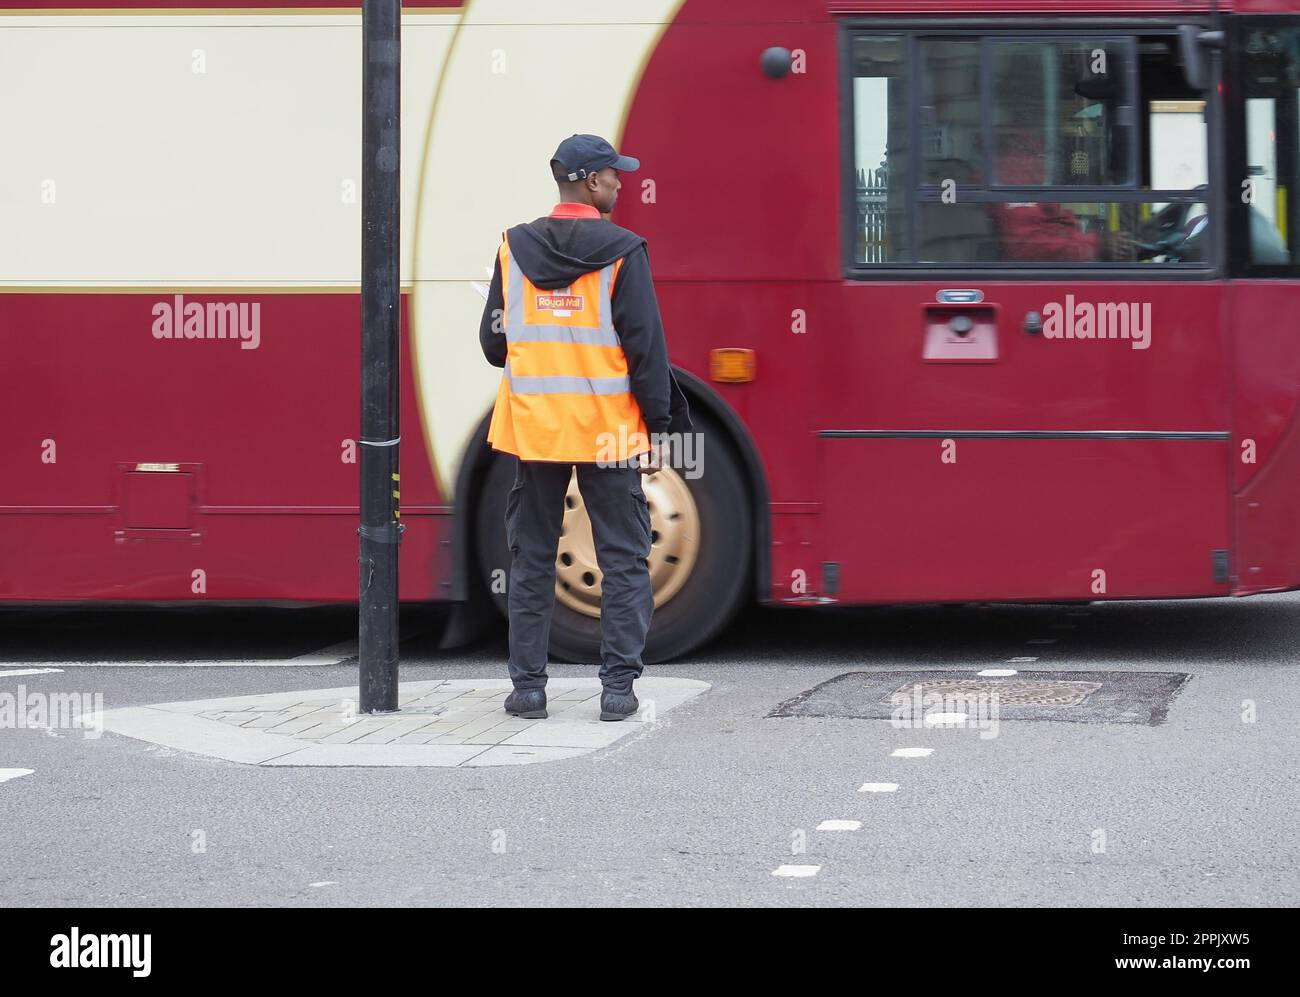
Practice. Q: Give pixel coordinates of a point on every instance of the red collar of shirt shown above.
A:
(572, 209)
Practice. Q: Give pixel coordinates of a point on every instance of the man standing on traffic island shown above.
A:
(572, 318)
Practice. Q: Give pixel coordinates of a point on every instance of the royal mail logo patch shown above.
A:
(559, 302)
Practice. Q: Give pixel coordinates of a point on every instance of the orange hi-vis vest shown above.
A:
(565, 393)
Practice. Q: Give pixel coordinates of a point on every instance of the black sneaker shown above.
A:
(618, 705)
(528, 704)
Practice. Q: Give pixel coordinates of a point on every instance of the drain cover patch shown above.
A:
(1010, 692)
(911, 696)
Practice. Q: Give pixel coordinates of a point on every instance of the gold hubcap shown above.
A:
(674, 543)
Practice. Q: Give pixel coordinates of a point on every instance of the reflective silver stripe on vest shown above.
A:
(561, 334)
(559, 385)
(518, 332)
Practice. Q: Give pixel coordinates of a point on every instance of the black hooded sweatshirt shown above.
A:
(553, 253)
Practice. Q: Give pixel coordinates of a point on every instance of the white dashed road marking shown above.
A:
(796, 871)
(878, 787)
(840, 825)
(997, 673)
(946, 719)
(1021, 661)
(7, 774)
(911, 752)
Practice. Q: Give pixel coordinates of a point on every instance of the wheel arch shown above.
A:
(473, 465)
(699, 393)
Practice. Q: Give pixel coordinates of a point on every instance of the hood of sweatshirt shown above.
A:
(554, 252)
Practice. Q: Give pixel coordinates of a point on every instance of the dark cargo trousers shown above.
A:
(620, 525)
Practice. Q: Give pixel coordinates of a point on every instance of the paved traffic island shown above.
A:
(445, 723)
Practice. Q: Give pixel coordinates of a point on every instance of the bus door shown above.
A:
(1264, 159)
(1029, 399)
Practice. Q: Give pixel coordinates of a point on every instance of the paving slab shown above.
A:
(447, 723)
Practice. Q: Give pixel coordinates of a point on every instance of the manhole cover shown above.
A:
(1010, 692)
(1078, 697)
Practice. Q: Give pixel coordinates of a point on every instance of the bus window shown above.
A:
(950, 112)
(1271, 84)
(1055, 111)
(1177, 143)
(1036, 151)
(880, 149)
(1042, 231)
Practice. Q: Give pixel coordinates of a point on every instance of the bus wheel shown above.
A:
(700, 554)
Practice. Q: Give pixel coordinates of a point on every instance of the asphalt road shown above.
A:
(702, 807)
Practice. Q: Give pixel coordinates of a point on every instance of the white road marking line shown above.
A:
(796, 871)
(1021, 661)
(7, 774)
(29, 671)
(911, 752)
(325, 882)
(945, 719)
(878, 787)
(992, 673)
(840, 825)
(334, 654)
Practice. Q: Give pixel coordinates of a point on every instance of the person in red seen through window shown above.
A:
(1036, 232)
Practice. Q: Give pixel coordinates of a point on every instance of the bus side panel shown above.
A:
(1012, 478)
(981, 519)
(746, 253)
(775, 407)
(766, 206)
(248, 474)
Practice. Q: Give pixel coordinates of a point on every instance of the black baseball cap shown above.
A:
(584, 154)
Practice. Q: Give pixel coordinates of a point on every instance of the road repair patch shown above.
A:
(912, 696)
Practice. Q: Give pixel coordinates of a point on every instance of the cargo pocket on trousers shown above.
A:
(512, 517)
(641, 513)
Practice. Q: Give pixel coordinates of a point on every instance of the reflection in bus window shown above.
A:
(950, 112)
(1055, 108)
(880, 150)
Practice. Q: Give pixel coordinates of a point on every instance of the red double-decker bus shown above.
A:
(973, 300)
